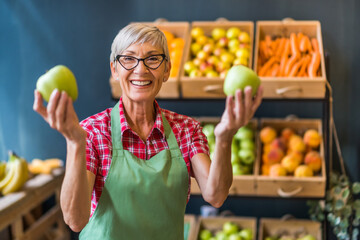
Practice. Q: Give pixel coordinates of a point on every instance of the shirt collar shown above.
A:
(158, 126)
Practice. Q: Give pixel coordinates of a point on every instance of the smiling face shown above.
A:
(141, 83)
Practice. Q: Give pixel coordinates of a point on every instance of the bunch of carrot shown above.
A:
(297, 56)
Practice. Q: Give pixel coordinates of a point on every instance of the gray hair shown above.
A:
(138, 33)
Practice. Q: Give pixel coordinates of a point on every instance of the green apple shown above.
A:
(246, 156)
(307, 237)
(239, 169)
(235, 236)
(59, 77)
(205, 234)
(208, 130)
(234, 158)
(233, 32)
(189, 66)
(247, 144)
(246, 234)
(230, 228)
(244, 133)
(220, 236)
(239, 77)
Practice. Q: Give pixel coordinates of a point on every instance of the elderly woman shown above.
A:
(128, 168)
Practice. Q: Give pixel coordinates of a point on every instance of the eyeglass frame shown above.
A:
(141, 59)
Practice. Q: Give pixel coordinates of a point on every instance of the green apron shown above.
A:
(141, 199)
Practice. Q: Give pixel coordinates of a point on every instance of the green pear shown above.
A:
(59, 77)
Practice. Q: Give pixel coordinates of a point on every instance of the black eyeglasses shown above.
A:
(129, 62)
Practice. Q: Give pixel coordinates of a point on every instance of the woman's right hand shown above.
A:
(60, 115)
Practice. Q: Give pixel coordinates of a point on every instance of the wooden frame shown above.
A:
(191, 219)
(204, 87)
(289, 186)
(291, 87)
(242, 185)
(216, 223)
(271, 226)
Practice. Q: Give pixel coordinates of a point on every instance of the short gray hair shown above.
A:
(138, 33)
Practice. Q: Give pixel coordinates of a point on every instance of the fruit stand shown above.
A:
(19, 212)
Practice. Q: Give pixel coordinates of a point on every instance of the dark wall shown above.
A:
(36, 35)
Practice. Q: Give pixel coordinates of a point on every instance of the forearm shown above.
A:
(220, 174)
(75, 198)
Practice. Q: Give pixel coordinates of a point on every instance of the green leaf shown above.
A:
(344, 224)
(331, 217)
(337, 221)
(347, 211)
(329, 196)
(357, 213)
(356, 222)
(355, 233)
(337, 190)
(321, 217)
(356, 187)
(333, 179)
(339, 204)
(328, 207)
(356, 204)
(345, 194)
(344, 181)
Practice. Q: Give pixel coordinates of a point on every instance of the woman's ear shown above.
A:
(114, 74)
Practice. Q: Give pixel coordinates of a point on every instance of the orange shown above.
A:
(169, 36)
(177, 43)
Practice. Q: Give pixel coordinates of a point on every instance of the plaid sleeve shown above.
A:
(92, 160)
(199, 143)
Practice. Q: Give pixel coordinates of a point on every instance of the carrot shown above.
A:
(263, 70)
(304, 44)
(268, 42)
(280, 48)
(299, 37)
(274, 45)
(314, 64)
(315, 44)
(304, 65)
(294, 44)
(284, 57)
(274, 70)
(295, 68)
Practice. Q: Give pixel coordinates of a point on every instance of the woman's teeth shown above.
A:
(141, 83)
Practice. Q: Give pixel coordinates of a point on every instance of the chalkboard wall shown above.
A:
(36, 35)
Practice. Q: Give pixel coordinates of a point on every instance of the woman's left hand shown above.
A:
(238, 112)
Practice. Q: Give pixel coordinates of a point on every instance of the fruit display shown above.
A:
(243, 148)
(38, 166)
(176, 48)
(59, 77)
(286, 236)
(214, 52)
(229, 231)
(294, 56)
(13, 174)
(285, 152)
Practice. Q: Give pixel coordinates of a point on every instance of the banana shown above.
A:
(9, 175)
(2, 170)
(19, 178)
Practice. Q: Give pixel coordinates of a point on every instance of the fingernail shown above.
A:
(247, 88)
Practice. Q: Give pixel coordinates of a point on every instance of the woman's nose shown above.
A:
(141, 67)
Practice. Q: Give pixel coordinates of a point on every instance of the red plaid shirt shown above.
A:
(188, 133)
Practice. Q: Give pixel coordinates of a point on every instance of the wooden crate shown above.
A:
(242, 185)
(191, 220)
(270, 227)
(16, 209)
(289, 186)
(171, 88)
(215, 224)
(205, 87)
(291, 87)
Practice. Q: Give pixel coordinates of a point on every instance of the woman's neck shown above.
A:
(140, 116)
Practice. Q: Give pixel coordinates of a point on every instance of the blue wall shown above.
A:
(36, 35)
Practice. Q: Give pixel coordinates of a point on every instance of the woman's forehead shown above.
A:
(143, 47)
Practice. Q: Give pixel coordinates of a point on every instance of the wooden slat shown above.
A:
(35, 191)
(43, 224)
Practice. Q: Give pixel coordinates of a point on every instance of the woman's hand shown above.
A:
(60, 115)
(238, 112)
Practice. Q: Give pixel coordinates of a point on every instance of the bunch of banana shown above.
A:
(16, 174)
(38, 166)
